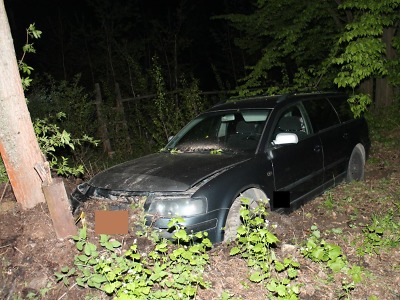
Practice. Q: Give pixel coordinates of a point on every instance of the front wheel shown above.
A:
(356, 166)
(233, 220)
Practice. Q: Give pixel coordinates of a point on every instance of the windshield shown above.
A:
(237, 131)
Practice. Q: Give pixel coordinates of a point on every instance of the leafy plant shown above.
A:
(320, 251)
(254, 244)
(168, 112)
(364, 52)
(31, 33)
(329, 202)
(51, 138)
(169, 271)
(381, 233)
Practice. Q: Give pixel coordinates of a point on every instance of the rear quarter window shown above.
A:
(321, 113)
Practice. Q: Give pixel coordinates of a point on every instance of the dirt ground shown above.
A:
(30, 253)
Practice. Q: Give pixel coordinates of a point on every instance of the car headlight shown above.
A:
(177, 206)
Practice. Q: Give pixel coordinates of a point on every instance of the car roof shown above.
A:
(270, 102)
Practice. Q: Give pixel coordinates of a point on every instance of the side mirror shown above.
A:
(285, 138)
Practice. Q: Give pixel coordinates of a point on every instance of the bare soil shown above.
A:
(30, 253)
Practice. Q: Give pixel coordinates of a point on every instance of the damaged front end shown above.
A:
(159, 208)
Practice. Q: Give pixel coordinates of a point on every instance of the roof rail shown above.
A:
(285, 97)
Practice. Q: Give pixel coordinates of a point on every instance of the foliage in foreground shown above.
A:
(381, 233)
(321, 251)
(165, 272)
(51, 139)
(175, 269)
(254, 244)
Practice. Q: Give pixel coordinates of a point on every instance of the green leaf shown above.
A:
(241, 230)
(334, 252)
(79, 245)
(82, 233)
(82, 258)
(271, 238)
(80, 282)
(281, 290)
(181, 235)
(258, 248)
(97, 278)
(234, 251)
(104, 238)
(337, 265)
(109, 288)
(292, 273)
(89, 249)
(279, 266)
(256, 277)
(318, 254)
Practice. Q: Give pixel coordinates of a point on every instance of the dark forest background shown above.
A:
(132, 73)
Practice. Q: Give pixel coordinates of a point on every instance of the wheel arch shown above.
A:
(252, 192)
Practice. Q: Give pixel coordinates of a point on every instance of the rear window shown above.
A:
(342, 107)
(321, 113)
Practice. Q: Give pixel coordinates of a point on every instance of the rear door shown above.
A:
(297, 168)
(334, 137)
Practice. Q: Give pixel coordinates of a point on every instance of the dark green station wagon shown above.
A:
(282, 150)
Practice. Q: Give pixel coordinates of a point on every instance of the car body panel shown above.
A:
(164, 172)
(298, 175)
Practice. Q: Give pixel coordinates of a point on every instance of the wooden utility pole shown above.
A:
(18, 145)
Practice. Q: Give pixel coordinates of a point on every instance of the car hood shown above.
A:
(164, 172)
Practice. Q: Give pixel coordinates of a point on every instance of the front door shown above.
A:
(297, 168)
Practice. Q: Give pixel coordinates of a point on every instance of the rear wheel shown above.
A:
(356, 167)
(233, 220)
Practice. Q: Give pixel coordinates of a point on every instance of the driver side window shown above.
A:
(292, 120)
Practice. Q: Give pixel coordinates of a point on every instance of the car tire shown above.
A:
(356, 166)
(233, 220)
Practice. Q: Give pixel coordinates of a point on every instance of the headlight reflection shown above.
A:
(176, 206)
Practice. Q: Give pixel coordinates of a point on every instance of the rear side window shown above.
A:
(321, 113)
(342, 107)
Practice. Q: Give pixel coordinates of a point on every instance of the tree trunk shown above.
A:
(384, 95)
(18, 145)
(121, 115)
(102, 122)
(367, 87)
(384, 92)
